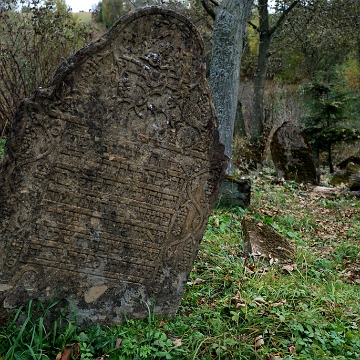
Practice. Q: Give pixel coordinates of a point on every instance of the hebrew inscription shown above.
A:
(110, 174)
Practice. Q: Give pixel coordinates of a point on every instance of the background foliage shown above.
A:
(33, 43)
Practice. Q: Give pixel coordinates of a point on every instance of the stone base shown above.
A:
(235, 192)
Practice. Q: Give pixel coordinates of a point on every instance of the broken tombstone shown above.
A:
(292, 155)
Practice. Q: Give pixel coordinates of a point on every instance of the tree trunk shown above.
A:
(331, 166)
(316, 156)
(227, 48)
(256, 128)
(257, 134)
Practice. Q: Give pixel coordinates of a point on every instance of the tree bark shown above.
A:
(256, 128)
(227, 48)
(331, 166)
(316, 156)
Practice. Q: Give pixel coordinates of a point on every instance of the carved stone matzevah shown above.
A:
(110, 174)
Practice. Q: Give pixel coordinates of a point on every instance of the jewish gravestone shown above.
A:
(292, 155)
(110, 174)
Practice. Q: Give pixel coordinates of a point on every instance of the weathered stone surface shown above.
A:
(324, 190)
(352, 159)
(340, 177)
(344, 176)
(354, 183)
(235, 192)
(292, 155)
(110, 174)
(245, 157)
(264, 243)
(352, 167)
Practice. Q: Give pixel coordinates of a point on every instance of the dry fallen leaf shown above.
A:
(239, 305)
(199, 281)
(259, 301)
(72, 349)
(118, 342)
(177, 342)
(289, 267)
(259, 341)
(275, 356)
(216, 222)
(276, 304)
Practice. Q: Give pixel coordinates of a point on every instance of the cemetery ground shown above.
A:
(234, 308)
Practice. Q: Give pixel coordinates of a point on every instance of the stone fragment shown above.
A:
(352, 167)
(292, 155)
(245, 157)
(235, 192)
(346, 175)
(340, 177)
(110, 174)
(263, 243)
(324, 190)
(355, 159)
(354, 183)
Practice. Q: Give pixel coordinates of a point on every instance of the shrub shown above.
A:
(32, 44)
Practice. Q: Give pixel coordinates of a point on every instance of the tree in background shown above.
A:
(113, 10)
(323, 33)
(323, 52)
(96, 13)
(327, 122)
(258, 130)
(297, 40)
(32, 45)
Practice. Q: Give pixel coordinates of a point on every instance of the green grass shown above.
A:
(98, 29)
(83, 17)
(234, 308)
(2, 146)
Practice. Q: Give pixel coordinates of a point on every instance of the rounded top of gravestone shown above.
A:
(127, 28)
(292, 155)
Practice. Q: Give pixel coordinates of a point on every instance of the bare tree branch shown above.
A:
(207, 7)
(283, 16)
